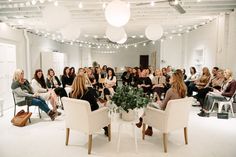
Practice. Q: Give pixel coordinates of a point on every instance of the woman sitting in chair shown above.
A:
(39, 86)
(227, 90)
(81, 91)
(110, 84)
(178, 90)
(24, 94)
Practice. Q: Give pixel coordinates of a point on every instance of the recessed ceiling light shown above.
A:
(199, 0)
(171, 37)
(144, 44)
(141, 36)
(104, 5)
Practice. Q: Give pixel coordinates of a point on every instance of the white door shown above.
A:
(7, 68)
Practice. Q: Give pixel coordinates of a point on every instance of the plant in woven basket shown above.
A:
(127, 97)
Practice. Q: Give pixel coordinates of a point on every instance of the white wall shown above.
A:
(123, 56)
(15, 37)
(172, 53)
(231, 47)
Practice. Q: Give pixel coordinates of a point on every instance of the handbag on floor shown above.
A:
(21, 118)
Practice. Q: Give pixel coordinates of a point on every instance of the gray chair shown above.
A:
(13, 94)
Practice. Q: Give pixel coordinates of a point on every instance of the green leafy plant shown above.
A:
(127, 97)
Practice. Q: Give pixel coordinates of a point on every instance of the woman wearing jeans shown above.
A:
(24, 94)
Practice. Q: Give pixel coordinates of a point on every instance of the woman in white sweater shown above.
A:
(39, 86)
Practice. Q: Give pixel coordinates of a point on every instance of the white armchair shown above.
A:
(78, 116)
(174, 117)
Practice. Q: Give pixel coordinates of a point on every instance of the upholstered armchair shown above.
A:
(174, 117)
(78, 116)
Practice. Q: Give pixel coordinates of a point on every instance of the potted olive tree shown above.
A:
(127, 99)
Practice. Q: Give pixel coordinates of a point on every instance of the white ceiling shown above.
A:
(91, 17)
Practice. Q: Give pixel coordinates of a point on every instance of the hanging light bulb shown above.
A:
(80, 5)
(33, 2)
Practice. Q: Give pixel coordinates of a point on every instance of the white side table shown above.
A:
(1, 106)
(122, 123)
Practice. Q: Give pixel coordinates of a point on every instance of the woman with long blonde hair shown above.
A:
(81, 91)
(178, 90)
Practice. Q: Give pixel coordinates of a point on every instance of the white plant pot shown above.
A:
(130, 116)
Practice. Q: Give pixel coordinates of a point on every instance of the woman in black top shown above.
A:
(145, 82)
(80, 91)
(53, 82)
(72, 73)
(66, 79)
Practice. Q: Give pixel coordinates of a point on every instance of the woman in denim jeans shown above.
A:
(24, 95)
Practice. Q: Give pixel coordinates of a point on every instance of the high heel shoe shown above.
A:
(139, 124)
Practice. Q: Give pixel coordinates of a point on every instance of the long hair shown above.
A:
(72, 72)
(49, 70)
(178, 84)
(78, 87)
(64, 71)
(206, 71)
(17, 73)
(112, 71)
(194, 70)
(41, 80)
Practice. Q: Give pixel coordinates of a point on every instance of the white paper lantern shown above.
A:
(123, 40)
(56, 17)
(71, 31)
(115, 34)
(154, 32)
(117, 13)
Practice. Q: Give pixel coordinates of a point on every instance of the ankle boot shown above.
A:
(52, 115)
(139, 124)
(149, 131)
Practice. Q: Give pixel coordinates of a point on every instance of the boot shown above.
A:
(52, 115)
(106, 130)
(139, 124)
(149, 131)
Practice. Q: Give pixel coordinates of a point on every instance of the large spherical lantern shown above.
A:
(71, 31)
(117, 13)
(123, 40)
(115, 34)
(154, 32)
(56, 17)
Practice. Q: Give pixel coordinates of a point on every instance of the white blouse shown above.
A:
(111, 82)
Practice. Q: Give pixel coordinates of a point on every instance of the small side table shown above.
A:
(1, 106)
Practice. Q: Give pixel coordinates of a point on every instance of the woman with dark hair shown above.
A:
(110, 84)
(193, 76)
(39, 86)
(53, 82)
(134, 77)
(144, 82)
(72, 73)
(24, 94)
(66, 80)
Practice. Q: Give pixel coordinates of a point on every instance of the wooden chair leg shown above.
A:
(109, 132)
(164, 142)
(186, 135)
(143, 132)
(89, 144)
(67, 135)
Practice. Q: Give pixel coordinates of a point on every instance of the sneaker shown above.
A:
(203, 114)
(52, 115)
(149, 131)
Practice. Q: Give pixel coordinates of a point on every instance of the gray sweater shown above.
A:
(23, 93)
